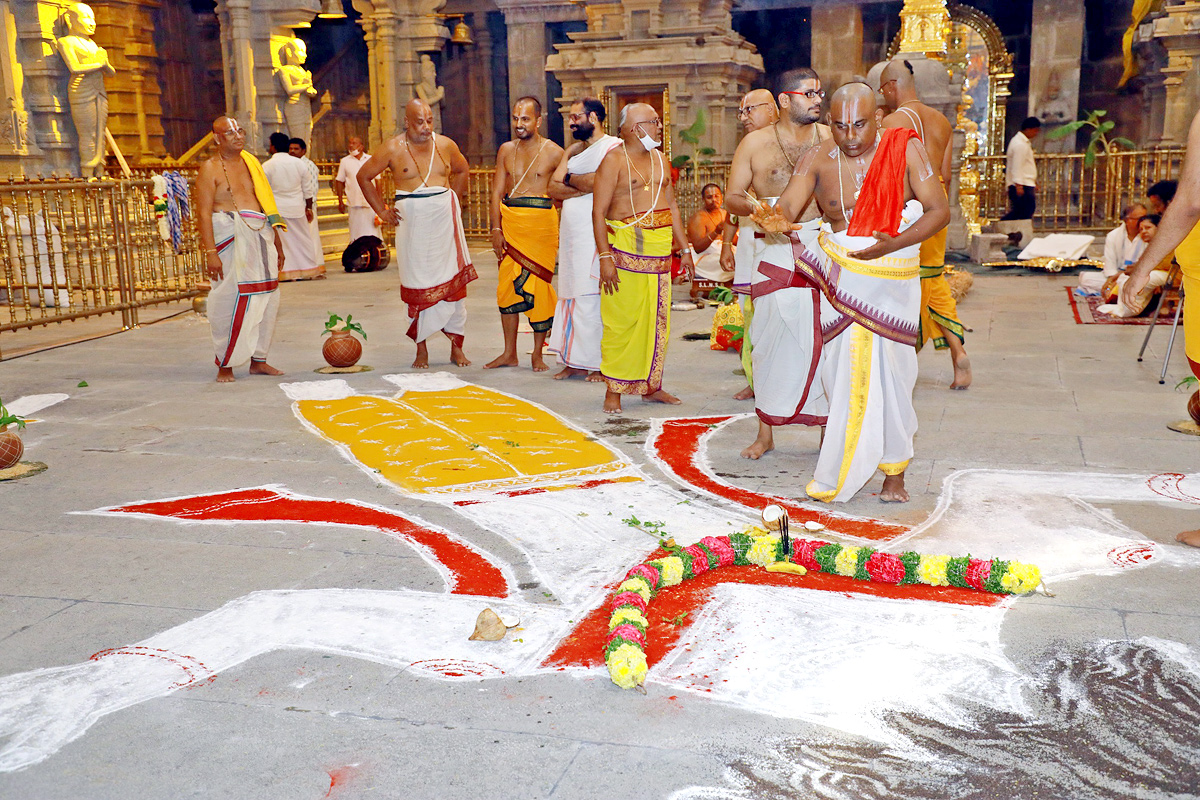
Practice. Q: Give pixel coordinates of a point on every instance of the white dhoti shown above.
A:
(242, 306)
(575, 337)
(299, 261)
(745, 257)
(362, 222)
(786, 331)
(1156, 280)
(314, 233)
(870, 315)
(435, 265)
(708, 264)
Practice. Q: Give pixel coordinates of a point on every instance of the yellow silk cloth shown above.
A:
(463, 439)
(637, 317)
(531, 247)
(938, 309)
(1188, 256)
(262, 191)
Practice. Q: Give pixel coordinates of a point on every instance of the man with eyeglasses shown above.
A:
(575, 339)
(786, 346)
(881, 198)
(758, 110)
(636, 224)
(939, 313)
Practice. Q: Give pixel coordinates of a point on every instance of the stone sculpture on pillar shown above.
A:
(88, 64)
(298, 84)
(429, 91)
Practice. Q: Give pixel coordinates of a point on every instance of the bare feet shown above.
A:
(505, 359)
(422, 359)
(612, 402)
(893, 489)
(962, 372)
(745, 394)
(261, 368)
(538, 363)
(1190, 538)
(595, 377)
(764, 444)
(457, 356)
(569, 372)
(661, 397)
(225, 375)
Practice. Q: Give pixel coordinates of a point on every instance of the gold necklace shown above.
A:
(221, 158)
(791, 161)
(629, 161)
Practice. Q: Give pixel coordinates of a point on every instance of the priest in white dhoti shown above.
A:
(239, 229)
(575, 337)
(350, 198)
(288, 177)
(881, 198)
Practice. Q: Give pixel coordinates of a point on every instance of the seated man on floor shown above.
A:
(1123, 246)
(705, 230)
(1111, 290)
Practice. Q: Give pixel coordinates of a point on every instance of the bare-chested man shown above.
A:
(430, 174)
(635, 221)
(785, 324)
(939, 313)
(525, 232)
(238, 223)
(757, 110)
(881, 198)
(576, 337)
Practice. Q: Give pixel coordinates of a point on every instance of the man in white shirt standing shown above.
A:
(298, 148)
(345, 186)
(287, 176)
(1021, 175)
(1123, 246)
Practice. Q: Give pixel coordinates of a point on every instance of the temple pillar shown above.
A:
(1172, 35)
(1056, 48)
(528, 44)
(837, 43)
(19, 155)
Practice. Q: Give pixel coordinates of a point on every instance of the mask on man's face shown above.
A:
(647, 140)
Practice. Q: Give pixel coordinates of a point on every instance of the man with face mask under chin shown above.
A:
(345, 186)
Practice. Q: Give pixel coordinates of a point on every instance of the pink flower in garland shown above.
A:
(644, 571)
(802, 553)
(628, 599)
(699, 559)
(628, 632)
(978, 572)
(721, 549)
(885, 568)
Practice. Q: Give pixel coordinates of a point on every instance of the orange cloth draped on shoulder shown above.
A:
(879, 206)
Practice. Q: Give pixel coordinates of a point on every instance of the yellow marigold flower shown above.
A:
(627, 666)
(635, 585)
(762, 550)
(672, 570)
(627, 614)
(1021, 578)
(932, 570)
(847, 561)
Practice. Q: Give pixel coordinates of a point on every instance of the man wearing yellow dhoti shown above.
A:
(1178, 231)
(939, 312)
(430, 174)
(866, 264)
(635, 221)
(525, 232)
(239, 232)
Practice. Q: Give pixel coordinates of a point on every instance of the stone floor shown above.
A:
(1122, 646)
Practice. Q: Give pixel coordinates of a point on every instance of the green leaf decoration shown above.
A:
(692, 133)
(81, 384)
(9, 418)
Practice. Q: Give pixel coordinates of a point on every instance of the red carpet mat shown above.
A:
(1084, 309)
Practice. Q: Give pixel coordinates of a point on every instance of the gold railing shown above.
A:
(1072, 196)
(73, 249)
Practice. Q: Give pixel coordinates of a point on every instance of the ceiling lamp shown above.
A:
(331, 9)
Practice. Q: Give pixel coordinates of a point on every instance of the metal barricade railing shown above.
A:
(73, 249)
(1075, 196)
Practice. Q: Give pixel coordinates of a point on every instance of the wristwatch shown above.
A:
(567, 180)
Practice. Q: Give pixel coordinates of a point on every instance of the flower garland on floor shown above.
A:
(625, 652)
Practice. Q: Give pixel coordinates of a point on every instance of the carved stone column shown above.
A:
(19, 155)
(1176, 29)
(837, 43)
(528, 46)
(45, 87)
(1055, 50)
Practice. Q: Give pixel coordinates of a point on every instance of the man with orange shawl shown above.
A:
(239, 232)
(881, 199)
